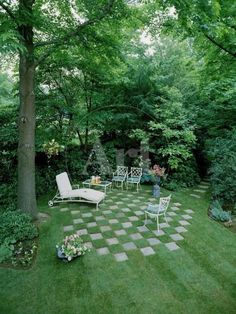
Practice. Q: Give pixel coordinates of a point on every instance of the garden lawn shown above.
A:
(199, 277)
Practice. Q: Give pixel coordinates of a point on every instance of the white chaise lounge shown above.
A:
(66, 193)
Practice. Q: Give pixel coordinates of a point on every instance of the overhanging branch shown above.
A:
(9, 12)
(219, 45)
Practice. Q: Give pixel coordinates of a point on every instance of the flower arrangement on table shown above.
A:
(71, 247)
(156, 173)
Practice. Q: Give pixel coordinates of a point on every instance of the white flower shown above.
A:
(69, 258)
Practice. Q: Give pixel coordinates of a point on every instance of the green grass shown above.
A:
(200, 277)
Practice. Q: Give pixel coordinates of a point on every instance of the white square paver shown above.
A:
(139, 212)
(168, 219)
(120, 215)
(164, 225)
(103, 251)
(107, 212)
(113, 207)
(187, 217)
(175, 208)
(153, 241)
(86, 215)
(89, 245)
(129, 246)
(78, 221)
(64, 209)
(172, 246)
(96, 236)
(82, 231)
(120, 257)
(112, 241)
(147, 251)
(133, 218)
(180, 229)
(91, 224)
(195, 195)
(159, 233)
(74, 212)
(136, 236)
(125, 210)
(99, 218)
(120, 232)
(177, 204)
(68, 228)
(184, 222)
(189, 211)
(113, 221)
(142, 229)
(126, 224)
(105, 228)
(176, 237)
(171, 214)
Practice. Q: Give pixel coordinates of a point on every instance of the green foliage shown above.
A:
(223, 168)
(5, 252)
(217, 212)
(16, 226)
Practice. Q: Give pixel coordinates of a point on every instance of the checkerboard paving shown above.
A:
(117, 227)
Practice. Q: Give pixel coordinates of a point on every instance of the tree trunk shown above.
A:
(26, 146)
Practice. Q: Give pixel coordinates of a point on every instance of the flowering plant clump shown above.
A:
(52, 148)
(156, 172)
(72, 246)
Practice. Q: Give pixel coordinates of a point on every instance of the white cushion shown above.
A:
(87, 194)
(63, 183)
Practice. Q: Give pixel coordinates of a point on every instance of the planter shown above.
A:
(62, 256)
(156, 190)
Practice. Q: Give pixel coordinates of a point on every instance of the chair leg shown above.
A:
(158, 224)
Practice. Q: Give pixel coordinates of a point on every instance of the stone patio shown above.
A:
(117, 227)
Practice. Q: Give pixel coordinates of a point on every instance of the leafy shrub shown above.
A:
(16, 226)
(217, 212)
(223, 169)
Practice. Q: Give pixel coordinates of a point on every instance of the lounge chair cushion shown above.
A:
(88, 194)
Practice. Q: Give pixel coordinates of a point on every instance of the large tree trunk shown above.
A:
(26, 146)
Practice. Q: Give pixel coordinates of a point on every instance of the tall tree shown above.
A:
(30, 26)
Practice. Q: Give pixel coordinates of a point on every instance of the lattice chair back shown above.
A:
(164, 203)
(136, 172)
(122, 171)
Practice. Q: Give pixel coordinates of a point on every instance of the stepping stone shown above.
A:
(133, 218)
(103, 251)
(169, 219)
(125, 210)
(180, 229)
(120, 257)
(131, 205)
(96, 236)
(200, 191)
(89, 245)
(142, 229)
(119, 203)
(177, 204)
(139, 213)
(119, 215)
(99, 218)
(82, 232)
(136, 201)
(184, 222)
(87, 215)
(189, 211)
(105, 228)
(113, 221)
(127, 224)
(172, 246)
(195, 195)
(164, 225)
(78, 221)
(112, 241)
(120, 232)
(187, 217)
(68, 228)
(176, 237)
(74, 212)
(147, 251)
(171, 214)
(91, 224)
(114, 207)
(136, 236)
(129, 246)
(143, 207)
(175, 208)
(160, 233)
(153, 241)
(64, 209)
(149, 221)
(107, 212)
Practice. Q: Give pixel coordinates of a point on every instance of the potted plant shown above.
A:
(71, 247)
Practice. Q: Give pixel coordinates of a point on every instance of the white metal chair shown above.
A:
(119, 176)
(66, 193)
(155, 211)
(134, 177)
